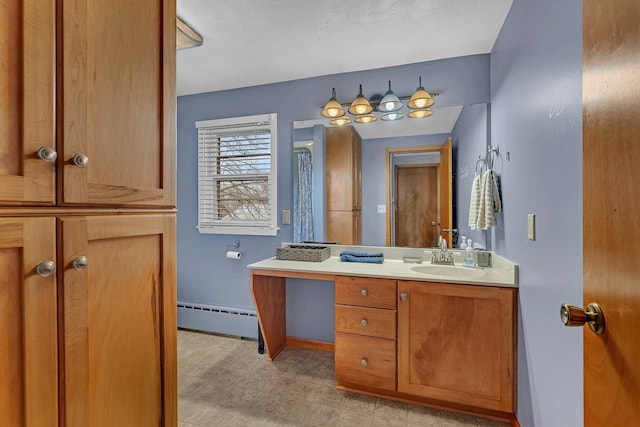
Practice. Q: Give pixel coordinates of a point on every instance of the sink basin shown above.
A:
(448, 271)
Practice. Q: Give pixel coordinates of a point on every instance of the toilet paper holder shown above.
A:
(233, 252)
(234, 246)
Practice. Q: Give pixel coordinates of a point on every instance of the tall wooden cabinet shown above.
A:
(87, 213)
(344, 185)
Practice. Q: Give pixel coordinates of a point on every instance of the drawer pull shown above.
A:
(364, 292)
(403, 296)
(364, 322)
(364, 362)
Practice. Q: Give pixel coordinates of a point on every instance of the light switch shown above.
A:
(382, 208)
(531, 226)
(286, 217)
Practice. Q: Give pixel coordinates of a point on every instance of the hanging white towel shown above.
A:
(490, 203)
(474, 203)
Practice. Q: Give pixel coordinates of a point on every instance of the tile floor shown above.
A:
(223, 381)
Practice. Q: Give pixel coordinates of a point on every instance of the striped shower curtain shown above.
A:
(303, 200)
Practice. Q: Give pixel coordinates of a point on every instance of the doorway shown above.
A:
(419, 193)
(415, 192)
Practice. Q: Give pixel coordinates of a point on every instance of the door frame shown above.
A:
(445, 208)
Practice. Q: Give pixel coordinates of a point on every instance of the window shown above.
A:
(237, 175)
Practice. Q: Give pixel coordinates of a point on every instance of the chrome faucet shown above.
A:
(445, 257)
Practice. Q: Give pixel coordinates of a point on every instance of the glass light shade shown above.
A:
(365, 118)
(420, 113)
(332, 108)
(391, 116)
(390, 102)
(360, 105)
(340, 121)
(420, 98)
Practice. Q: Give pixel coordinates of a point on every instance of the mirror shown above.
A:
(388, 149)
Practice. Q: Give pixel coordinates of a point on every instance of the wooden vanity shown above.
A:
(436, 343)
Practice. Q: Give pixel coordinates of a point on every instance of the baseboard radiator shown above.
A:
(218, 319)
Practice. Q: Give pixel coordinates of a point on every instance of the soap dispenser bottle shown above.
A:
(468, 259)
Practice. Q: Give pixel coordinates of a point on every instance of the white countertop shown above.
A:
(503, 273)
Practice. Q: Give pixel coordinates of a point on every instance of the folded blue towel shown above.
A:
(350, 256)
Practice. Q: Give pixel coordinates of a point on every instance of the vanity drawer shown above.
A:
(374, 322)
(366, 292)
(365, 361)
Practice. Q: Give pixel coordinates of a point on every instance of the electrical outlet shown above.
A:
(286, 217)
(382, 208)
(531, 226)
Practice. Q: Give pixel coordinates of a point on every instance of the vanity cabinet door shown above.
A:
(456, 343)
(27, 70)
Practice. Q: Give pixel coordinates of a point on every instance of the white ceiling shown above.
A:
(254, 42)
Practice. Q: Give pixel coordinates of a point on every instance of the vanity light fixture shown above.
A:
(365, 118)
(420, 98)
(392, 115)
(420, 113)
(390, 102)
(360, 106)
(340, 121)
(186, 36)
(332, 109)
(390, 107)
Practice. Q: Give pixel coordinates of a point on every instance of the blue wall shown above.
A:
(536, 116)
(204, 274)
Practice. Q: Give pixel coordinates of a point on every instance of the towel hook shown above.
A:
(482, 162)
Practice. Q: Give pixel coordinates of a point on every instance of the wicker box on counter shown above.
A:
(303, 253)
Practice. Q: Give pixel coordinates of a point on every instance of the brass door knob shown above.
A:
(576, 316)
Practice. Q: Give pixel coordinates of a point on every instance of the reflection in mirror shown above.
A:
(375, 219)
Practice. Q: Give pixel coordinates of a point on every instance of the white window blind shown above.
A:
(237, 175)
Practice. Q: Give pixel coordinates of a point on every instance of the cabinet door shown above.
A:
(119, 321)
(28, 334)
(456, 344)
(118, 102)
(27, 70)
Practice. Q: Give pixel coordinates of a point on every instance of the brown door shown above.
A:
(27, 70)
(611, 165)
(117, 106)
(118, 321)
(416, 205)
(28, 333)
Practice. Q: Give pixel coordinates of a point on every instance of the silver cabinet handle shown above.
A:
(80, 263)
(364, 362)
(364, 292)
(46, 268)
(364, 322)
(403, 296)
(47, 154)
(80, 160)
